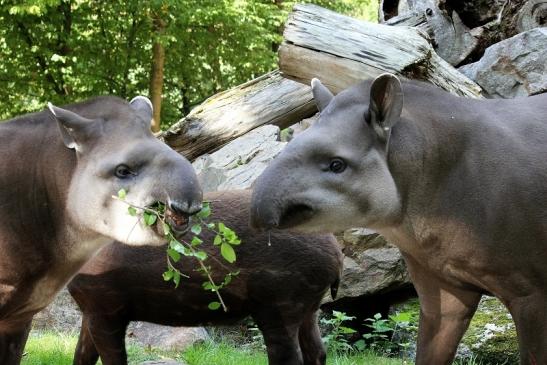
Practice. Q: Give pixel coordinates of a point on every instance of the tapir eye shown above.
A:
(123, 172)
(337, 165)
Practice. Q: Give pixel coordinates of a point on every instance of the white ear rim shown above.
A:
(145, 100)
(51, 109)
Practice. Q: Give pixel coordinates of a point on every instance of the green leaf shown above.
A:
(217, 241)
(196, 241)
(196, 229)
(221, 227)
(214, 306)
(150, 218)
(347, 330)
(204, 212)
(177, 246)
(211, 225)
(168, 275)
(236, 242)
(122, 194)
(176, 278)
(166, 229)
(200, 255)
(173, 254)
(132, 211)
(228, 252)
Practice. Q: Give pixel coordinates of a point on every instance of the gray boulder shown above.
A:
(240, 162)
(371, 265)
(515, 67)
(165, 337)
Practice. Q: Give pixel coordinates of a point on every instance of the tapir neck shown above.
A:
(35, 232)
(36, 172)
(425, 147)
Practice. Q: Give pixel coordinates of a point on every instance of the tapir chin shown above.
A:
(60, 170)
(459, 185)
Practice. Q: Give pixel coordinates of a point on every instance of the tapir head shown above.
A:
(114, 149)
(335, 175)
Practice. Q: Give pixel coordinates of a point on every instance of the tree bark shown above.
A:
(341, 51)
(156, 74)
(269, 99)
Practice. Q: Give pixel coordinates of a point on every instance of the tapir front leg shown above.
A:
(445, 313)
(12, 344)
(530, 316)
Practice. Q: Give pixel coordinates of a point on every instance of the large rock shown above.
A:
(371, 265)
(515, 67)
(240, 162)
(165, 337)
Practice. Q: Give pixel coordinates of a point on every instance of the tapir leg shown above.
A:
(445, 313)
(311, 344)
(530, 316)
(86, 352)
(281, 338)
(108, 335)
(12, 345)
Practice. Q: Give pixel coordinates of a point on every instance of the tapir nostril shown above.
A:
(184, 208)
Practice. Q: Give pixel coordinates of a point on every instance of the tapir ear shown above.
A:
(143, 106)
(386, 104)
(321, 94)
(74, 128)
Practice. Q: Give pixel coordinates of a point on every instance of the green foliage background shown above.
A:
(68, 50)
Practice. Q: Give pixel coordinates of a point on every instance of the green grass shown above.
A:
(49, 348)
(212, 353)
(54, 348)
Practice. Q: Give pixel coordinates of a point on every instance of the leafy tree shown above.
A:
(67, 50)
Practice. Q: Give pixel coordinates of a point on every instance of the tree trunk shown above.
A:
(269, 99)
(341, 51)
(156, 74)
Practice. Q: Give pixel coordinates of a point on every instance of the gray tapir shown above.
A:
(459, 185)
(282, 279)
(59, 171)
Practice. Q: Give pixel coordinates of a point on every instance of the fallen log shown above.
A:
(268, 99)
(341, 51)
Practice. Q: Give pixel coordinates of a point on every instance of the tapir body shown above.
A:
(282, 279)
(60, 171)
(459, 185)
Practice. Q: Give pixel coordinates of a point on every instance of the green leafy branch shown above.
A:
(225, 238)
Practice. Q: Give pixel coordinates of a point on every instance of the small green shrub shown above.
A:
(336, 338)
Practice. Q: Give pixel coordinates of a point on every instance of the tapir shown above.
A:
(282, 279)
(60, 170)
(458, 184)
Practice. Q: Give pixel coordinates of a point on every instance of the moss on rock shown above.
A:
(491, 335)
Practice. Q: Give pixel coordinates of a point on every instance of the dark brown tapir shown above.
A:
(59, 171)
(459, 185)
(282, 278)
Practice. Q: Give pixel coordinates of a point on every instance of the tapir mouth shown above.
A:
(178, 222)
(295, 214)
